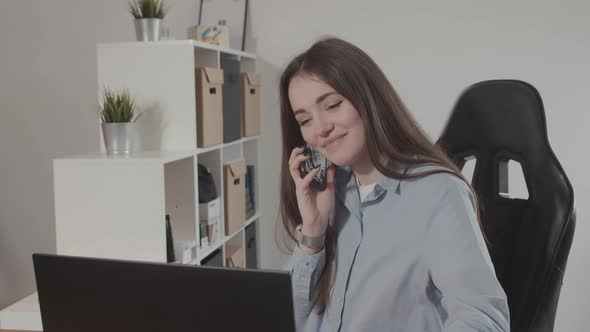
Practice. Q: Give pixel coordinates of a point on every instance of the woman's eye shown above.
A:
(302, 123)
(332, 106)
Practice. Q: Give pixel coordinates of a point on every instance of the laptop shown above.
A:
(107, 295)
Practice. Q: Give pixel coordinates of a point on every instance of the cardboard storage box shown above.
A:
(250, 86)
(234, 257)
(234, 178)
(209, 106)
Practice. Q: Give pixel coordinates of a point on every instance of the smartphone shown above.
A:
(319, 181)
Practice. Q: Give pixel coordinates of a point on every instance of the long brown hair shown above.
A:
(391, 132)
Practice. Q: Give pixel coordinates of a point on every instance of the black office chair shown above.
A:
(529, 240)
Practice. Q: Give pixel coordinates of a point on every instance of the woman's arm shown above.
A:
(305, 273)
(460, 266)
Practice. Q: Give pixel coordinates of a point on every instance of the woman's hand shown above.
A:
(314, 206)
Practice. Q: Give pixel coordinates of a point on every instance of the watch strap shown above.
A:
(316, 242)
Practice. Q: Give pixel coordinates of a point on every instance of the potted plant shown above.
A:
(118, 117)
(148, 16)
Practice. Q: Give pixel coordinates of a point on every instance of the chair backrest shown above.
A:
(529, 240)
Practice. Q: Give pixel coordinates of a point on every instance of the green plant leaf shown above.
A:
(117, 106)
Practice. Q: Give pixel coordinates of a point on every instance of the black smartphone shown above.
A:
(319, 181)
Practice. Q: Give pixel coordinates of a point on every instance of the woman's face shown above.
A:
(328, 121)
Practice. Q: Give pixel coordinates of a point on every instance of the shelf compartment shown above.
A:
(231, 153)
(251, 247)
(248, 222)
(115, 207)
(214, 259)
(235, 255)
(179, 183)
(250, 152)
(205, 253)
(205, 57)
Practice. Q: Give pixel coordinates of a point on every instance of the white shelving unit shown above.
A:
(161, 77)
(115, 206)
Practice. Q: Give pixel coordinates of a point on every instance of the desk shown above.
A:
(23, 315)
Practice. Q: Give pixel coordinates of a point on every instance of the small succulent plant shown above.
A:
(117, 107)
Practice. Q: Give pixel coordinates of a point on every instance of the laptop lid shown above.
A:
(106, 295)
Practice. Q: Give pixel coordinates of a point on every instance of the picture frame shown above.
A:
(234, 12)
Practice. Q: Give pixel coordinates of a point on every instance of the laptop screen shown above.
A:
(106, 295)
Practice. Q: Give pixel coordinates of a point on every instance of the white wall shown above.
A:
(431, 51)
(48, 98)
(24, 185)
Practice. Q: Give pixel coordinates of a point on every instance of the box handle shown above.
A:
(253, 91)
(237, 181)
(213, 91)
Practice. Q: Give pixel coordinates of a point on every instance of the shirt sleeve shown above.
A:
(460, 267)
(305, 273)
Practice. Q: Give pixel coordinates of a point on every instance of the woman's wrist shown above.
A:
(310, 239)
(309, 250)
(313, 230)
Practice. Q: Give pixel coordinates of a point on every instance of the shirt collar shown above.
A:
(345, 181)
(387, 183)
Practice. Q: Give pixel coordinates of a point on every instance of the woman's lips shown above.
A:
(334, 142)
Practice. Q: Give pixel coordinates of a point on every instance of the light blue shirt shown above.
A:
(411, 257)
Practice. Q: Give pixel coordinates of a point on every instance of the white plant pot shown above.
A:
(148, 29)
(118, 137)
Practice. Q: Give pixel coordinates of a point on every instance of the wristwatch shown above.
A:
(315, 242)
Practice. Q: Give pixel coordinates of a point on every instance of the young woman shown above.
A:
(393, 243)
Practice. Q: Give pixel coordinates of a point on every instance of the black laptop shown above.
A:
(79, 294)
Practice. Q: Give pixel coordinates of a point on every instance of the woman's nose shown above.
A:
(323, 127)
